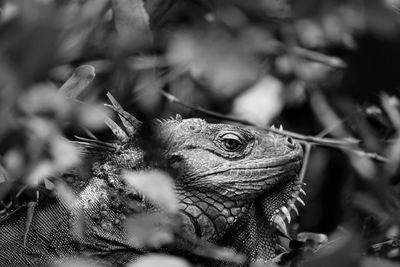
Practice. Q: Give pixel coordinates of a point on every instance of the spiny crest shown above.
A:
(128, 132)
(178, 119)
(130, 123)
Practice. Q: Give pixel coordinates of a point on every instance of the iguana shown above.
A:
(235, 185)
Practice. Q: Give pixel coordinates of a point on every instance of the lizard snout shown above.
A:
(290, 143)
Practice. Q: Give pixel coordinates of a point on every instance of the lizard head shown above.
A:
(234, 183)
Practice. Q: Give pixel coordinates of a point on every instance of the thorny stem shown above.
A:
(349, 145)
(307, 152)
(330, 61)
(277, 47)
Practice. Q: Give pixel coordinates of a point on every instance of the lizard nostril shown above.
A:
(290, 142)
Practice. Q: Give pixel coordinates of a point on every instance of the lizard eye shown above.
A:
(231, 142)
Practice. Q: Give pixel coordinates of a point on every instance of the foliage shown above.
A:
(327, 70)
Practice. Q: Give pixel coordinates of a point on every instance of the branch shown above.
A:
(349, 145)
(330, 61)
(306, 158)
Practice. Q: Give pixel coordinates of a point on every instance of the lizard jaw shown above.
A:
(283, 213)
(277, 206)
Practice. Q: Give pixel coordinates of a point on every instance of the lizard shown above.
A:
(236, 186)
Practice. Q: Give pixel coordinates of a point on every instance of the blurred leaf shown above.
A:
(319, 239)
(131, 22)
(43, 99)
(261, 263)
(215, 59)
(14, 162)
(85, 16)
(265, 9)
(310, 33)
(65, 154)
(157, 185)
(70, 200)
(150, 231)
(344, 252)
(391, 107)
(381, 20)
(66, 194)
(310, 71)
(75, 262)
(32, 51)
(153, 260)
(8, 11)
(78, 82)
(372, 205)
(40, 171)
(3, 174)
(212, 251)
(260, 103)
(92, 116)
(147, 91)
(376, 262)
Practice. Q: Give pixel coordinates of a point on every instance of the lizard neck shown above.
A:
(254, 234)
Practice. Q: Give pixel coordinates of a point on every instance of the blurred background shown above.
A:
(321, 68)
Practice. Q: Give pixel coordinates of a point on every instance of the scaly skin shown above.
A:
(231, 182)
(230, 197)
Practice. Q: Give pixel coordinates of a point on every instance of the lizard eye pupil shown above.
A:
(231, 142)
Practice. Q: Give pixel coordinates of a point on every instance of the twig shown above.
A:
(372, 155)
(330, 61)
(306, 158)
(174, 99)
(309, 139)
(349, 145)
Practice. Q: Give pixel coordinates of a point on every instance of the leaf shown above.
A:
(261, 263)
(344, 252)
(44, 99)
(74, 262)
(80, 20)
(157, 185)
(214, 58)
(148, 91)
(14, 163)
(371, 204)
(42, 170)
(71, 202)
(319, 239)
(150, 231)
(65, 154)
(153, 260)
(211, 251)
(3, 174)
(92, 116)
(377, 262)
(131, 21)
(261, 103)
(66, 194)
(381, 20)
(78, 82)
